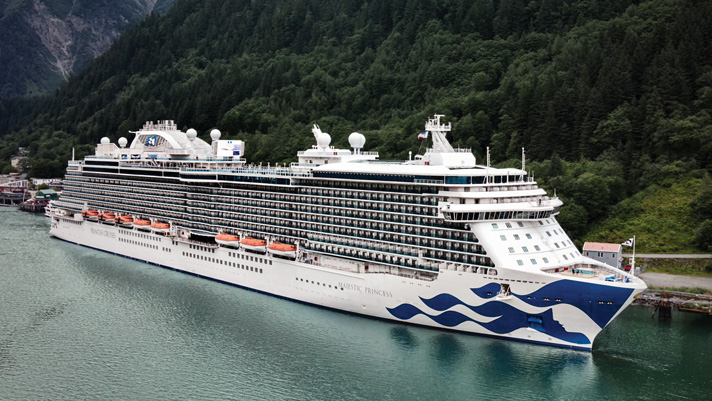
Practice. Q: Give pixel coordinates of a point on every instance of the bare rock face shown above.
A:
(42, 43)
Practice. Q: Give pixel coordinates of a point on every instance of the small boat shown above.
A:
(125, 221)
(228, 240)
(143, 225)
(254, 244)
(91, 215)
(286, 250)
(107, 218)
(159, 227)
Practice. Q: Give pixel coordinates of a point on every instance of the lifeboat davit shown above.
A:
(141, 224)
(91, 215)
(107, 218)
(159, 227)
(125, 221)
(286, 250)
(228, 240)
(254, 244)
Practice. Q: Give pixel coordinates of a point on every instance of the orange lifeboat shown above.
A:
(125, 221)
(254, 244)
(287, 250)
(141, 224)
(107, 218)
(159, 227)
(91, 215)
(228, 240)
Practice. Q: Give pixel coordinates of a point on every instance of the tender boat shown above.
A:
(159, 227)
(254, 244)
(107, 218)
(91, 215)
(143, 225)
(228, 240)
(125, 221)
(280, 249)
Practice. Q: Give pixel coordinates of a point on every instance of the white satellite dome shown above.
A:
(215, 134)
(105, 141)
(191, 134)
(123, 141)
(323, 140)
(357, 140)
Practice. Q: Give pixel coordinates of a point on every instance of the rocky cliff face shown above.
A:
(44, 42)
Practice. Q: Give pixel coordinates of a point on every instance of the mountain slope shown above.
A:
(42, 43)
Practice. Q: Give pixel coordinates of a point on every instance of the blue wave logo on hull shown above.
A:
(585, 296)
(599, 302)
(508, 318)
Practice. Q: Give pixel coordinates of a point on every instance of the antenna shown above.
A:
(488, 164)
(523, 164)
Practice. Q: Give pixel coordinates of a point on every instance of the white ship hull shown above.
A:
(453, 300)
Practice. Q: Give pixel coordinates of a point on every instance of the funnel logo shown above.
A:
(151, 141)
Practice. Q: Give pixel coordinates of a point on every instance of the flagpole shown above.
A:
(632, 269)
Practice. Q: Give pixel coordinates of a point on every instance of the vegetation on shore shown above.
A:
(682, 267)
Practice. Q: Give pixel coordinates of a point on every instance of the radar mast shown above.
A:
(438, 131)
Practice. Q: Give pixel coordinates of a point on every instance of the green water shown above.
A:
(79, 324)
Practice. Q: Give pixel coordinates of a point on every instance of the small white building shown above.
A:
(50, 182)
(610, 254)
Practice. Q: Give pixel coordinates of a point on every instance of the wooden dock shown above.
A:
(32, 207)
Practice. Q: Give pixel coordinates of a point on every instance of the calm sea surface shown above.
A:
(80, 324)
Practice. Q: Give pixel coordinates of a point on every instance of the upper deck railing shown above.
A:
(301, 152)
(283, 172)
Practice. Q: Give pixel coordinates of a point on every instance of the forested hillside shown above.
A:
(611, 100)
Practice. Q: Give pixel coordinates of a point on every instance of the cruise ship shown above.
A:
(436, 240)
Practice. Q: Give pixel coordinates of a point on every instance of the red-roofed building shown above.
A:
(610, 254)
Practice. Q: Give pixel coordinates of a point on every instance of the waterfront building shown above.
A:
(610, 254)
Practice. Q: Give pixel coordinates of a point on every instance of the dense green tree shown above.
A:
(574, 219)
(703, 235)
(702, 204)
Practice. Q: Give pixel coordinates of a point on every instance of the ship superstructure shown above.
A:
(438, 240)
